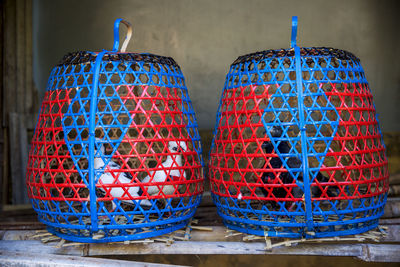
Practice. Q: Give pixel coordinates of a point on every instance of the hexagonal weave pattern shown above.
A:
(108, 122)
(297, 149)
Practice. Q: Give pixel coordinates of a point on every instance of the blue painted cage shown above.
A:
(297, 149)
(116, 154)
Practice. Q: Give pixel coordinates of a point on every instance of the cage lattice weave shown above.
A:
(124, 110)
(325, 173)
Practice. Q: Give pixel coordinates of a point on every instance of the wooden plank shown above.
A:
(394, 179)
(20, 90)
(218, 234)
(16, 234)
(18, 93)
(10, 38)
(392, 208)
(29, 259)
(4, 184)
(18, 157)
(8, 85)
(2, 12)
(2, 130)
(212, 248)
(36, 246)
(394, 190)
(367, 252)
(389, 221)
(22, 226)
(393, 233)
(379, 253)
(31, 96)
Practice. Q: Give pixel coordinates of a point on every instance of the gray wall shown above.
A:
(205, 37)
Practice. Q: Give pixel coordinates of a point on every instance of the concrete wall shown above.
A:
(205, 37)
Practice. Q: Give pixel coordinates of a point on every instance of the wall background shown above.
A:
(205, 37)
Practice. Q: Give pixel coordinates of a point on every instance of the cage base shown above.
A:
(241, 227)
(121, 238)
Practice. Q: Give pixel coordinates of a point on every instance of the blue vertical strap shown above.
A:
(302, 126)
(116, 35)
(92, 128)
(294, 32)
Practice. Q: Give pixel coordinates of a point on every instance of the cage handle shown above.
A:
(116, 35)
(294, 32)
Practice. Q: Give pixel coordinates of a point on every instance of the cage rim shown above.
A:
(304, 52)
(81, 57)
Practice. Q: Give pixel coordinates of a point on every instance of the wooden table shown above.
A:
(17, 227)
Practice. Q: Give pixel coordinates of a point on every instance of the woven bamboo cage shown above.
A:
(116, 153)
(297, 149)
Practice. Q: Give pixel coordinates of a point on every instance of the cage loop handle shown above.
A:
(294, 32)
(116, 35)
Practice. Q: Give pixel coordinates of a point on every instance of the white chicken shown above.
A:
(107, 178)
(170, 168)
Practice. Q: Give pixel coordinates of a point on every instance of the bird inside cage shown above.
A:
(291, 181)
(120, 184)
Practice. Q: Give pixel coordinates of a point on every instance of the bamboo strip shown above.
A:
(61, 243)
(73, 244)
(42, 235)
(201, 228)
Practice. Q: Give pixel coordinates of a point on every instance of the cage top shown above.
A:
(82, 57)
(117, 53)
(304, 52)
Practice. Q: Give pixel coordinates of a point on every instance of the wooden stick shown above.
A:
(180, 238)
(202, 228)
(74, 244)
(42, 235)
(164, 240)
(142, 241)
(252, 237)
(268, 243)
(41, 231)
(60, 244)
(287, 242)
(233, 234)
(98, 236)
(49, 239)
(187, 232)
(170, 240)
(384, 228)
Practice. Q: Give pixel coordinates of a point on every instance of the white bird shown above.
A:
(171, 168)
(107, 178)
